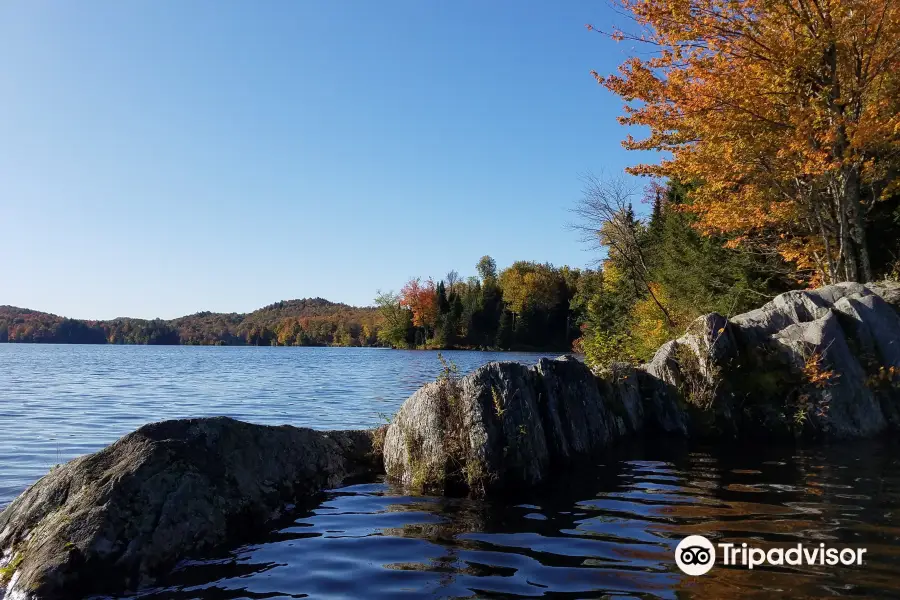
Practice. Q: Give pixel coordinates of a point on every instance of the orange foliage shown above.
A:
(782, 111)
(422, 300)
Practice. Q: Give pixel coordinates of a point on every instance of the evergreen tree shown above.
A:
(442, 301)
(505, 331)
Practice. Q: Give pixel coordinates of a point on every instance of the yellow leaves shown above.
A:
(612, 275)
(816, 374)
(737, 94)
(886, 377)
(529, 284)
(650, 327)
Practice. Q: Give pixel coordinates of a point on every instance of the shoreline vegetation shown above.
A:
(526, 307)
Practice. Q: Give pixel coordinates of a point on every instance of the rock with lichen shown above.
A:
(507, 426)
(115, 519)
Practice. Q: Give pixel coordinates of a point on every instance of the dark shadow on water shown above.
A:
(605, 531)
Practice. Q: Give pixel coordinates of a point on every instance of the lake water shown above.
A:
(61, 401)
(608, 532)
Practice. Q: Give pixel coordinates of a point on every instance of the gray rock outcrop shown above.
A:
(506, 426)
(814, 363)
(115, 518)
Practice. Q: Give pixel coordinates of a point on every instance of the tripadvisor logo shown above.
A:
(696, 555)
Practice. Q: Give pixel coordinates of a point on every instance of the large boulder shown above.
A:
(506, 426)
(802, 364)
(889, 291)
(873, 327)
(479, 433)
(756, 328)
(684, 384)
(836, 350)
(834, 400)
(580, 417)
(661, 384)
(116, 518)
(621, 383)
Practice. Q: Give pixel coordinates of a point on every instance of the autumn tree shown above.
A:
(288, 331)
(487, 269)
(785, 115)
(535, 294)
(395, 319)
(608, 223)
(662, 276)
(529, 284)
(422, 300)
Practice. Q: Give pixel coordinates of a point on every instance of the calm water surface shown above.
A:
(60, 401)
(609, 532)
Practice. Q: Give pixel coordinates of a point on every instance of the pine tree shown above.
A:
(505, 331)
(443, 303)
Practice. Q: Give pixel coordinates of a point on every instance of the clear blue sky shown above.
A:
(161, 158)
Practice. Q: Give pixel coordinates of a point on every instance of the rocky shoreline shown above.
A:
(114, 519)
(819, 365)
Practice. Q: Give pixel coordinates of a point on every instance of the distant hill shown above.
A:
(305, 322)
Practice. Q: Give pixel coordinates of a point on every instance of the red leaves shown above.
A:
(422, 300)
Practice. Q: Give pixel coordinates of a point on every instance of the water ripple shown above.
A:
(607, 533)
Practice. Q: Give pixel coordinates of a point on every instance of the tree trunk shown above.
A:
(852, 200)
(845, 183)
(847, 260)
(830, 264)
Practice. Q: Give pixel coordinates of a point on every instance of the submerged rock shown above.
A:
(114, 519)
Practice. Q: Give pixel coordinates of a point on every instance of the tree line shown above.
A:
(307, 322)
(527, 306)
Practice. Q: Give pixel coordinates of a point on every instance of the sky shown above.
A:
(163, 158)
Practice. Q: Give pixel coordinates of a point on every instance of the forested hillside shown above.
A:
(308, 322)
(527, 306)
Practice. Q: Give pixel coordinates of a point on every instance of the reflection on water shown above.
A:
(607, 533)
